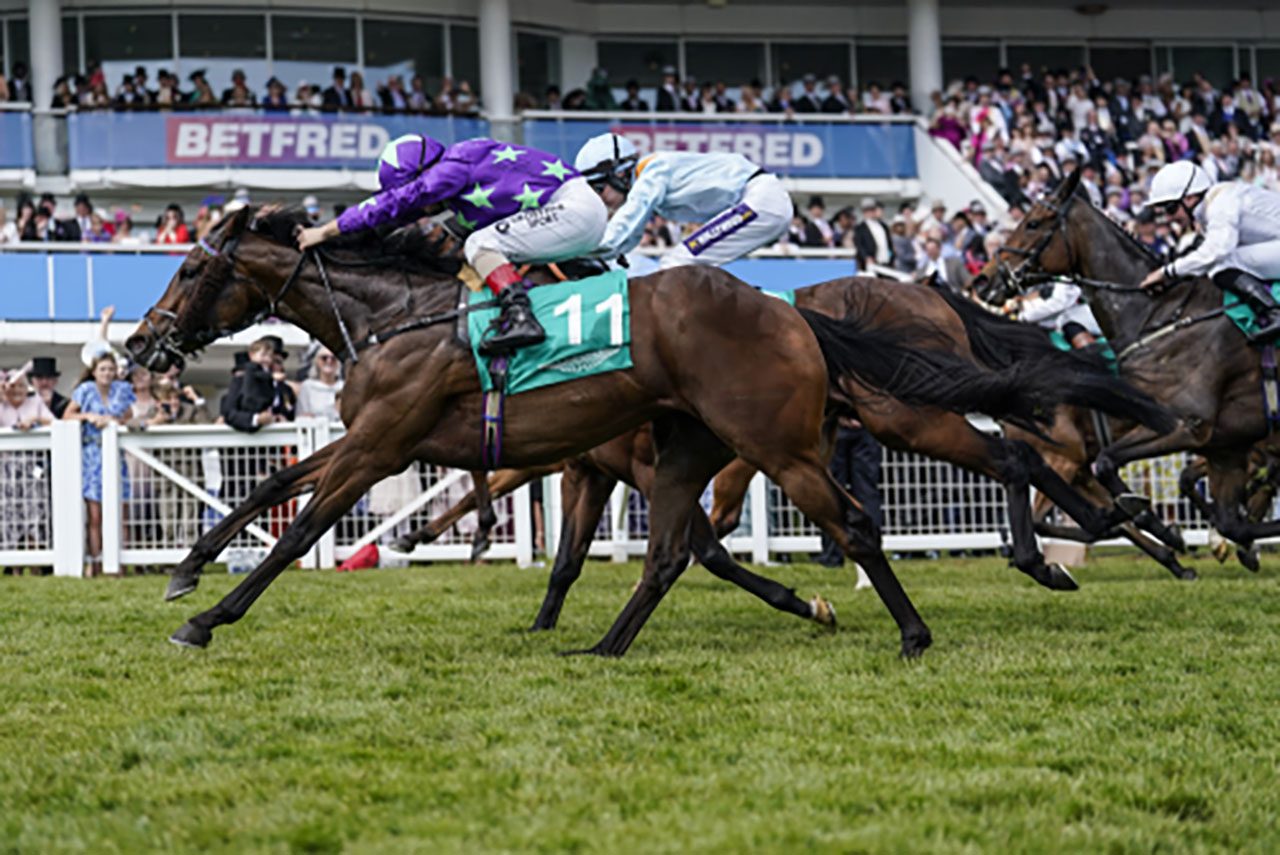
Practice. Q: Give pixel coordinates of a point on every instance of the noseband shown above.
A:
(1025, 273)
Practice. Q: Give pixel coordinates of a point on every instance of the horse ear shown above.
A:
(1069, 186)
(239, 220)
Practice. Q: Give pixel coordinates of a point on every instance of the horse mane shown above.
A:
(407, 249)
(1142, 248)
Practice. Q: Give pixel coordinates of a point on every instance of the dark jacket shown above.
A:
(250, 393)
(807, 103)
(865, 243)
(334, 98)
(667, 103)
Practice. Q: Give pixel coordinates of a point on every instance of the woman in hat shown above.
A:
(24, 487)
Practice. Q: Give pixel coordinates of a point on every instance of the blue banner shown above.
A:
(109, 140)
(801, 150)
(15, 140)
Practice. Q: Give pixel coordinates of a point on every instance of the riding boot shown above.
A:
(1256, 294)
(515, 326)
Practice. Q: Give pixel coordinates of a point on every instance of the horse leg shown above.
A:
(729, 490)
(689, 455)
(499, 484)
(584, 492)
(348, 477)
(277, 488)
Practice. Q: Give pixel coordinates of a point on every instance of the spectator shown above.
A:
(690, 100)
(319, 393)
(19, 89)
(842, 228)
(871, 238)
(83, 218)
(167, 93)
(20, 409)
(949, 272)
(277, 98)
(336, 97)
(835, 102)
(171, 228)
(202, 93)
(808, 100)
(419, 100)
(553, 101)
(668, 93)
(392, 95)
(312, 206)
(803, 233)
(1144, 229)
(818, 218)
(307, 99)
(24, 485)
(127, 94)
(855, 465)
(903, 248)
(750, 100)
(361, 98)
(62, 95)
(98, 400)
(899, 100)
(464, 100)
(99, 231)
(782, 102)
(8, 231)
(599, 95)
(1266, 175)
(720, 96)
(124, 231)
(251, 403)
(44, 377)
(874, 100)
(633, 103)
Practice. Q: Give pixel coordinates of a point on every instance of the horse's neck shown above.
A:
(1123, 315)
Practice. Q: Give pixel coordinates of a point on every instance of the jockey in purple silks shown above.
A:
(520, 204)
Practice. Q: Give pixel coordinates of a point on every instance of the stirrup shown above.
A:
(1268, 332)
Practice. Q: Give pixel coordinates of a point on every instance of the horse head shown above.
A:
(1039, 246)
(207, 298)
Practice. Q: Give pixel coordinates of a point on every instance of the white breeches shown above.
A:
(760, 218)
(570, 225)
(1260, 259)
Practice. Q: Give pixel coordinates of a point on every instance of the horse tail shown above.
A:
(885, 358)
(1000, 344)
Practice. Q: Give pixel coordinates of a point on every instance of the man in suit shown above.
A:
(950, 272)
(808, 102)
(871, 237)
(835, 102)
(690, 100)
(44, 377)
(336, 97)
(669, 94)
(633, 103)
(251, 401)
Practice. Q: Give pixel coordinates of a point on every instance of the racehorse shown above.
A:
(1178, 345)
(930, 431)
(718, 368)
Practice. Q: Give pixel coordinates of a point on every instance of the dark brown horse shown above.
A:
(718, 369)
(1178, 346)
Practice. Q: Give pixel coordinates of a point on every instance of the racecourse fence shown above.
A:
(166, 486)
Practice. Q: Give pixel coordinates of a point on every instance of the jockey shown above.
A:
(521, 205)
(1241, 246)
(743, 207)
(1056, 306)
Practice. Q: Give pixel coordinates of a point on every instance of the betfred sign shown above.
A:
(293, 141)
(770, 147)
(110, 140)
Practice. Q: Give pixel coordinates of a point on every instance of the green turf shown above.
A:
(403, 711)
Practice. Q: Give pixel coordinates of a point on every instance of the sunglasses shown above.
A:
(1169, 207)
(327, 358)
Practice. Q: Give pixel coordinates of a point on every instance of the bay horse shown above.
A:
(718, 368)
(1178, 346)
(927, 430)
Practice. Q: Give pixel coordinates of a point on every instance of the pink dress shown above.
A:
(31, 409)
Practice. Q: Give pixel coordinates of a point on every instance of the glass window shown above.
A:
(962, 61)
(1043, 58)
(405, 49)
(1215, 62)
(465, 44)
(734, 63)
(220, 44)
(1111, 63)
(70, 43)
(306, 48)
(881, 63)
(538, 58)
(1268, 59)
(121, 43)
(642, 61)
(823, 59)
(19, 46)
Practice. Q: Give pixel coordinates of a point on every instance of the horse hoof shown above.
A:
(403, 544)
(478, 549)
(1059, 578)
(180, 586)
(1249, 558)
(1133, 503)
(1219, 545)
(822, 612)
(190, 635)
(1186, 574)
(915, 644)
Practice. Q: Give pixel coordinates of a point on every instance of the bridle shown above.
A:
(169, 344)
(1026, 272)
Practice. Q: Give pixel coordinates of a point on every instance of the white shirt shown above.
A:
(1060, 307)
(316, 398)
(1232, 215)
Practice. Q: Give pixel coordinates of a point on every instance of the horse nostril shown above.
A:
(135, 344)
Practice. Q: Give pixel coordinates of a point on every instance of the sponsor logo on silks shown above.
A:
(720, 228)
(582, 363)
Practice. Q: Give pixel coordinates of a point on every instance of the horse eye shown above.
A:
(1033, 224)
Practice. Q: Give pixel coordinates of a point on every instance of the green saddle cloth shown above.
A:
(1241, 314)
(588, 325)
(788, 297)
(1060, 341)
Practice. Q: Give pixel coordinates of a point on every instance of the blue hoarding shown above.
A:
(15, 140)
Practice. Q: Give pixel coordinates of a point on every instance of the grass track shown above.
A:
(403, 711)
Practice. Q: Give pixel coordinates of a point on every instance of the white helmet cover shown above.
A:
(1176, 180)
